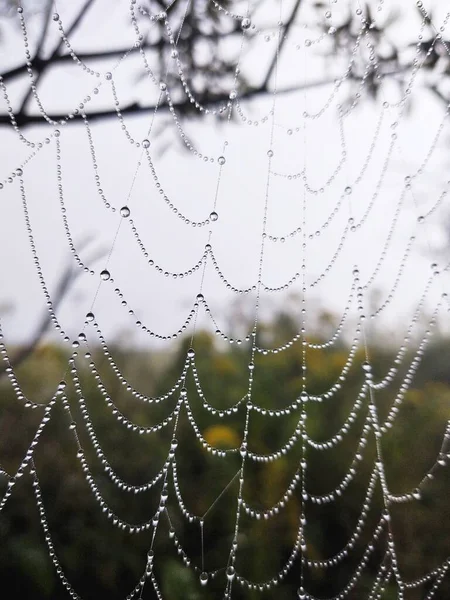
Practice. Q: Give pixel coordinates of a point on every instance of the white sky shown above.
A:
(163, 303)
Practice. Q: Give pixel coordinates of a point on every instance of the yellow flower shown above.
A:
(222, 436)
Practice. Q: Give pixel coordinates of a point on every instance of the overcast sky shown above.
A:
(191, 184)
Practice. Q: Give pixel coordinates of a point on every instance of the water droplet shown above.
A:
(231, 572)
(108, 76)
(270, 153)
(124, 212)
(90, 317)
(200, 297)
(308, 43)
(421, 219)
(191, 353)
(233, 94)
(55, 17)
(204, 578)
(213, 216)
(348, 190)
(245, 23)
(221, 160)
(146, 143)
(174, 53)
(163, 86)
(105, 275)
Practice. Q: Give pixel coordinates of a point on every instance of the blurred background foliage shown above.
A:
(101, 561)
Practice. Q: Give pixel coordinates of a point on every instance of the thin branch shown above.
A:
(41, 65)
(39, 47)
(135, 108)
(281, 43)
(75, 24)
(67, 279)
(438, 93)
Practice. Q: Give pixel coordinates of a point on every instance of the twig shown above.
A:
(39, 47)
(70, 274)
(281, 43)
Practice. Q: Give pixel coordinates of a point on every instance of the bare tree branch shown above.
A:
(209, 95)
(135, 108)
(67, 279)
(40, 64)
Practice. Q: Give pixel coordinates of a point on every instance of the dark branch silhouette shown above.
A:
(134, 108)
(281, 43)
(39, 47)
(63, 285)
(213, 88)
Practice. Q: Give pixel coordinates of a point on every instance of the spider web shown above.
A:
(333, 239)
